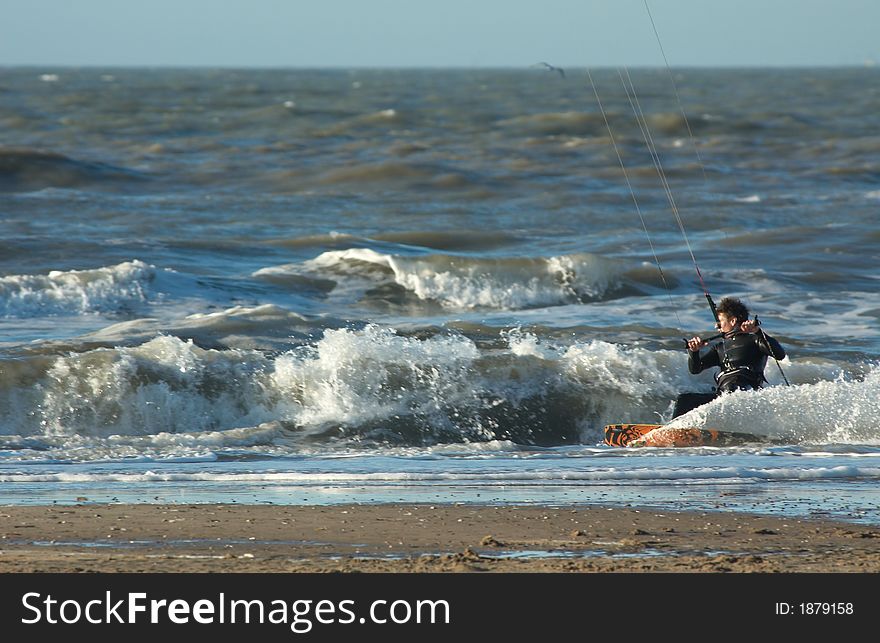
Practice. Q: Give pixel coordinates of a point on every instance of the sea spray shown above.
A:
(76, 292)
(464, 283)
(842, 410)
(375, 384)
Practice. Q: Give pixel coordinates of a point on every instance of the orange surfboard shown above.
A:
(657, 435)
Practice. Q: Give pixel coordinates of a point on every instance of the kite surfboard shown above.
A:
(658, 435)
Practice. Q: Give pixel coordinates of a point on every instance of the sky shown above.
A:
(438, 33)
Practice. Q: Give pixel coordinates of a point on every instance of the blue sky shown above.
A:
(437, 33)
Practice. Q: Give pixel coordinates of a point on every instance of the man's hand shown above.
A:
(696, 343)
(750, 326)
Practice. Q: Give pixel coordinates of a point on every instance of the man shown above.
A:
(741, 354)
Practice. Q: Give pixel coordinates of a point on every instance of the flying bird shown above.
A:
(550, 67)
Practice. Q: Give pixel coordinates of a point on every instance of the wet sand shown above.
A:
(422, 538)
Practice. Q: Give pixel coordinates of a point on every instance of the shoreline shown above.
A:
(419, 538)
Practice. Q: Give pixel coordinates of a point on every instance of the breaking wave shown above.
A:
(374, 385)
(464, 283)
(106, 289)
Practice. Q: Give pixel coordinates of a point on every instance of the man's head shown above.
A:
(731, 313)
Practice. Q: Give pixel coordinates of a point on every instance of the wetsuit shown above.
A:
(741, 356)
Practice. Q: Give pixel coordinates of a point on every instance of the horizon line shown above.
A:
(868, 64)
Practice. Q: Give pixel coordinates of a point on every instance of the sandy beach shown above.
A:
(421, 538)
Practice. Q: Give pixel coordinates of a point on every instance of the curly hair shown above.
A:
(733, 307)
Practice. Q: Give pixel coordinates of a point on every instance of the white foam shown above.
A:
(840, 411)
(485, 478)
(464, 283)
(164, 385)
(852, 316)
(167, 390)
(76, 291)
(523, 344)
(353, 377)
(171, 386)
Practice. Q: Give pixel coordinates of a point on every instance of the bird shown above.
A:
(551, 68)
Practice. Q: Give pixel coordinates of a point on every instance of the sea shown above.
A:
(295, 286)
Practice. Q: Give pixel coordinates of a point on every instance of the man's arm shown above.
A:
(769, 345)
(766, 344)
(698, 363)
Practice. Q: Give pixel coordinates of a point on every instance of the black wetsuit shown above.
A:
(741, 356)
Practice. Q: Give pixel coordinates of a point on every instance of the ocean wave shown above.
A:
(454, 240)
(379, 119)
(465, 283)
(622, 122)
(264, 327)
(416, 175)
(485, 479)
(351, 384)
(25, 170)
(107, 289)
(556, 124)
(331, 240)
(775, 237)
(826, 411)
(375, 386)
